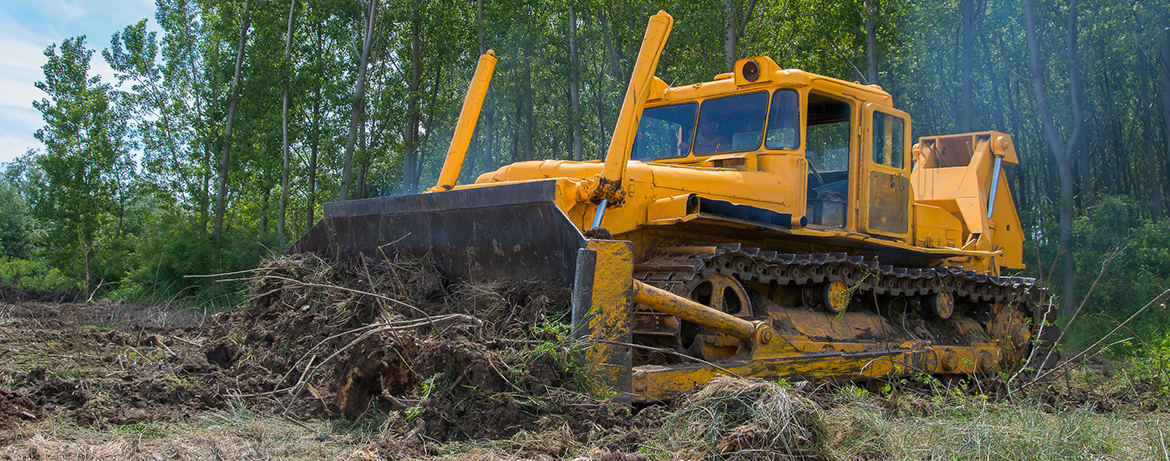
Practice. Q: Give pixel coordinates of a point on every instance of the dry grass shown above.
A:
(728, 419)
(519, 405)
(239, 435)
(961, 426)
(735, 415)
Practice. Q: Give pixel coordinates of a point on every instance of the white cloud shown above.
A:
(68, 12)
(27, 27)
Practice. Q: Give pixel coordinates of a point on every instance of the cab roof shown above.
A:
(769, 75)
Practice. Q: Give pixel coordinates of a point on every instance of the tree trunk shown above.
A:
(359, 94)
(615, 58)
(1060, 153)
(731, 39)
(967, 17)
(221, 187)
(1112, 127)
(574, 85)
(311, 206)
(516, 130)
(284, 126)
(1146, 107)
(1164, 72)
(410, 141)
(204, 140)
(489, 122)
(264, 199)
(363, 157)
(529, 122)
(871, 40)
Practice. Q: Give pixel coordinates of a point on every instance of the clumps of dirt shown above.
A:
(512, 308)
(103, 364)
(1103, 385)
(15, 408)
(459, 362)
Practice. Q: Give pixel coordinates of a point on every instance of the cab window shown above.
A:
(665, 131)
(784, 121)
(827, 152)
(731, 124)
(828, 134)
(888, 132)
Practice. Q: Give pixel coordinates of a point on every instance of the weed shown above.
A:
(1152, 362)
(145, 430)
(428, 386)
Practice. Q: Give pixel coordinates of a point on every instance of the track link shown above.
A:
(681, 267)
(753, 265)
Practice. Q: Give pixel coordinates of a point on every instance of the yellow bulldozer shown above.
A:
(769, 223)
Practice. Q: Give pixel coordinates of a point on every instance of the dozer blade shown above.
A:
(510, 231)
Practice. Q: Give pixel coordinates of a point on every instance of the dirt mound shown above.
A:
(15, 408)
(457, 362)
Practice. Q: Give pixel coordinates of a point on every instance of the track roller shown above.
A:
(942, 304)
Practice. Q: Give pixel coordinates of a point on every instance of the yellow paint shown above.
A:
(653, 202)
(683, 308)
(465, 128)
(655, 383)
(608, 320)
(641, 81)
(954, 173)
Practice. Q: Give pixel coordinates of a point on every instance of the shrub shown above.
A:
(22, 274)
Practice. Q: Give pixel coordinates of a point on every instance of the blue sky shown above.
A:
(27, 27)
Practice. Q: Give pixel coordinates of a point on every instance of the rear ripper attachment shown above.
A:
(855, 255)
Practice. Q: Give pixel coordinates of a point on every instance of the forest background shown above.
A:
(223, 134)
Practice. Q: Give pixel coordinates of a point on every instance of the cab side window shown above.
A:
(888, 137)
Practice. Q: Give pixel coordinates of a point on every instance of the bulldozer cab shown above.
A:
(841, 171)
(855, 149)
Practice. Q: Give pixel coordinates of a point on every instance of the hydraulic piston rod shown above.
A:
(472, 104)
(691, 311)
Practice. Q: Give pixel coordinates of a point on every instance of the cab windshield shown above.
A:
(665, 131)
(731, 124)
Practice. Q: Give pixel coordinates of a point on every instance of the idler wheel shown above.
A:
(722, 293)
(942, 304)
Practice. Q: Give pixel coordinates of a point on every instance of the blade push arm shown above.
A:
(611, 187)
(472, 104)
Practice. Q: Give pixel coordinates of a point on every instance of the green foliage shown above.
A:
(146, 430)
(86, 167)
(1111, 229)
(123, 195)
(1151, 361)
(23, 274)
(18, 229)
(428, 386)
